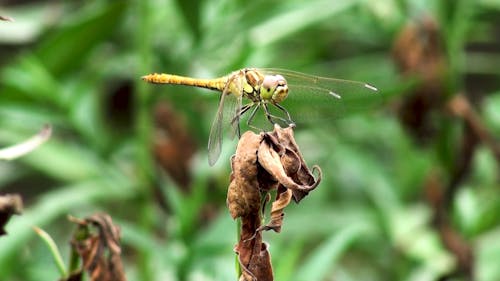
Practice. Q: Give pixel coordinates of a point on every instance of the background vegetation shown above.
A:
(138, 152)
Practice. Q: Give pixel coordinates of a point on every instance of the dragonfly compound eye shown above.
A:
(274, 88)
(281, 90)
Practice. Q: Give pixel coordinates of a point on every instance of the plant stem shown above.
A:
(143, 128)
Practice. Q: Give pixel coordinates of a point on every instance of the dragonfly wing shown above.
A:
(233, 106)
(325, 96)
(325, 83)
(229, 104)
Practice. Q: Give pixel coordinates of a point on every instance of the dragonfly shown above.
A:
(263, 88)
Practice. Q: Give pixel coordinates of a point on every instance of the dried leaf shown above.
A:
(283, 198)
(289, 168)
(262, 163)
(10, 204)
(419, 53)
(174, 146)
(253, 256)
(100, 252)
(243, 196)
(303, 174)
(259, 268)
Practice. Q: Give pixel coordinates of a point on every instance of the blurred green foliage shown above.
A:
(67, 63)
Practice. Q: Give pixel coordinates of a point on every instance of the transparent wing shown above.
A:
(229, 104)
(314, 97)
(233, 106)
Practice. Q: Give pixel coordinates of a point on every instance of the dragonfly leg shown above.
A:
(252, 114)
(288, 117)
(273, 118)
(250, 118)
(236, 119)
(268, 114)
(240, 112)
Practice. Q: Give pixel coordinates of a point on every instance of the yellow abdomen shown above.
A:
(217, 84)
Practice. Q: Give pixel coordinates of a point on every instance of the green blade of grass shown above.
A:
(322, 259)
(293, 20)
(66, 48)
(56, 255)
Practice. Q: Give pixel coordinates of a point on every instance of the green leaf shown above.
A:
(488, 255)
(66, 49)
(491, 112)
(191, 11)
(324, 258)
(294, 19)
(59, 159)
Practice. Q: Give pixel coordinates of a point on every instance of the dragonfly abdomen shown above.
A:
(162, 78)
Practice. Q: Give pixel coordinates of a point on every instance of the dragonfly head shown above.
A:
(274, 88)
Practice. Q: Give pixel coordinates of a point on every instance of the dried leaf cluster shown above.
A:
(426, 112)
(419, 53)
(99, 250)
(262, 163)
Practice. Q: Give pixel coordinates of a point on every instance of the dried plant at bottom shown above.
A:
(419, 53)
(174, 146)
(426, 112)
(97, 243)
(10, 204)
(263, 163)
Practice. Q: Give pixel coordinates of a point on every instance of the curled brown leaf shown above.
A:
(100, 251)
(283, 197)
(262, 163)
(243, 197)
(291, 170)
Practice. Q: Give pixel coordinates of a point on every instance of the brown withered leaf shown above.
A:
(283, 197)
(253, 256)
(100, 250)
(262, 163)
(10, 204)
(289, 169)
(419, 53)
(259, 268)
(243, 196)
(174, 146)
(294, 164)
